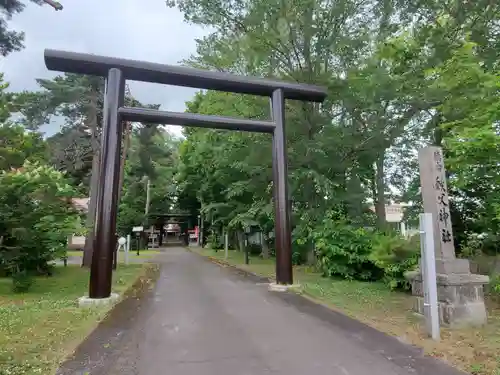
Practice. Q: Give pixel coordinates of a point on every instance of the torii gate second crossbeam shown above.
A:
(117, 71)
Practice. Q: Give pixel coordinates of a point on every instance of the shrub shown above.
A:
(21, 281)
(472, 246)
(297, 258)
(214, 241)
(36, 218)
(344, 250)
(494, 285)
(299, 252)
(302, 240)
(352, 252)
(395, 256)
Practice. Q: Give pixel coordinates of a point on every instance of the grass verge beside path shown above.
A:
(475, 350)
(143, 254)
(40, 328)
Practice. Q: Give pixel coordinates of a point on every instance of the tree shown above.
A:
(71, 151)
(10, 40)
(277, 39)
(79, 99)
(386, 99)
(36, 218)
(6, 100)
(472, 138)
(17, 145)
(76, 148)
(152, 155)
(228, 172)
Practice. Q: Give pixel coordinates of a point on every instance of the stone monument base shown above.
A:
(460, 298)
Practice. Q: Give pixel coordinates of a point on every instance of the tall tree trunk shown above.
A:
(94, 184)
(355, 193)
(202, 231)
(241, 240)
(91, 213)
(126, 146)
(265, 247)
(146, 208)
(311, 254)
(380, 191)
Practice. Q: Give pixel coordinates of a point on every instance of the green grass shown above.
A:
(263, 267)
(143, 254)
(471, 349)
(40, 327)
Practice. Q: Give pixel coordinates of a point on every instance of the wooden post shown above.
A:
(226, 245)
(105, 225)
(282, 227)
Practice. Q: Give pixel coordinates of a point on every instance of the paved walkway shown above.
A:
(205, 319)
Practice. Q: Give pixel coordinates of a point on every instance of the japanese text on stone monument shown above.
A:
(443, 206)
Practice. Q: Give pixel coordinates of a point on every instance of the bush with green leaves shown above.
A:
(494, 285)
(347, 250)
(344, 250)
(395, 256)
(21, 281)
(36, 218)
(214, 241)
(472, 246)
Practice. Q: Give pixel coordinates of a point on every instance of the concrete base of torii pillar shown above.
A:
(460, 294)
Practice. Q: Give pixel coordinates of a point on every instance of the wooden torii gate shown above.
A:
(115, 114)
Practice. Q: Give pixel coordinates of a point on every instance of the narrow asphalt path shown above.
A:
(205, 319)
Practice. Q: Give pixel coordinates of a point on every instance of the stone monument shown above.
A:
(460, 293)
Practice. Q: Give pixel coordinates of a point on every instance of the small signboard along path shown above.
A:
(204, 319)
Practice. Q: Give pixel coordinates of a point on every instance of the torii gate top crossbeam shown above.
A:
(82, 63)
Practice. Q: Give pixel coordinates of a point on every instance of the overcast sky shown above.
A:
(118, 28)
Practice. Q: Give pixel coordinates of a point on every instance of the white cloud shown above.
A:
(120, 28)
